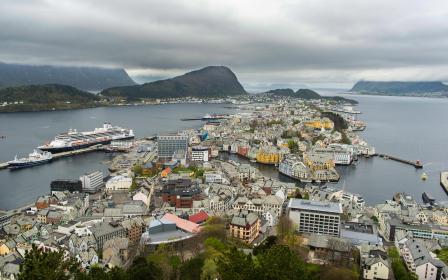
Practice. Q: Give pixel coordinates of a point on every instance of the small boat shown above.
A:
(424, 176)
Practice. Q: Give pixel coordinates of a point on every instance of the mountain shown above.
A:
(281, 92)
(308, 94)
(211, 81)
(399, 88)
(85, 78)
(45, 97)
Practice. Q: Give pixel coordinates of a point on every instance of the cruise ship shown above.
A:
(35, 158)
(74, 140)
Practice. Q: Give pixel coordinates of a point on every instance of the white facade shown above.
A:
(119, 183)
(376, 270)
(199, 154)
(315, 217)
(92, 182)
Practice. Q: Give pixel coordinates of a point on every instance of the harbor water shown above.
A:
(407, 127)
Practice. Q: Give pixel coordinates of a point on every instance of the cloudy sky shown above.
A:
(313, 42)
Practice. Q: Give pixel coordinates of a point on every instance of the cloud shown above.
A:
(303, 41)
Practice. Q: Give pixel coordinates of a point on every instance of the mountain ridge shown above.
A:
(84, 78)
(210, 81)
(400, 87)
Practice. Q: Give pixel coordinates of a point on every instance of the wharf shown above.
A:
(416, 164)
(444, 180)
(95, 148)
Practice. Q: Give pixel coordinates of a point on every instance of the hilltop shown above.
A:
(85, 78)
(211, 81)
(45, 97)
(308, 94)
(401, 88)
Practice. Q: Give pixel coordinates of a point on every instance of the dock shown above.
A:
(95, 148)
(444, 180)
(416, 164)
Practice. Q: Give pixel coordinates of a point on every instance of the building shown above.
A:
(245, 226)
(119, 183)
(375, 267)
(169, 144)
(315, 217)
(66, 185)
(247, 172)
(105, 231)
(180, 192)
(200, 153)
(317, 161)
(92, 182)
(418, 259)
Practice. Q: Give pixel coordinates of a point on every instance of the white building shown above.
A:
(375, 267)
(92, 182)
(119, 183)
(315, 217)
(419, 260)
(200, 153)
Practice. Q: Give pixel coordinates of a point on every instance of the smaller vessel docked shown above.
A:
(35, 158)
(428, 198)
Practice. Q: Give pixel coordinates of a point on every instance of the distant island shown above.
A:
(84, 78)
(308, 94)
(211, 81)
(45, 97)
(423, 88)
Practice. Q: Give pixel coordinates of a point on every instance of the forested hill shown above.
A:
(211, 81)
(45, 97)
(307, 94)
(85, 78)
(399, 88)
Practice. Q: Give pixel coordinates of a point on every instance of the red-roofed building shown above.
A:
(183, 224)
(199, 217)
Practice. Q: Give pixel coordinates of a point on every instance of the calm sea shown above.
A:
(25, 131)
(408, 127)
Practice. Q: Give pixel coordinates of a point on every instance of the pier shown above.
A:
(416, 164)
(444, 180)
(95, 148)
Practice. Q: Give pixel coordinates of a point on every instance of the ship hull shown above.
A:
(20, 165)
(55, 150)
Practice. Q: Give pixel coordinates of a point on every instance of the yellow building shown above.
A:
(320, 123)
(318, 161)
(4, 250)
(245, 226)
(268, 156)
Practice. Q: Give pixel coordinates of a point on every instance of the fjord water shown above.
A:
(25, 131)
(411, 128)
(408, 127)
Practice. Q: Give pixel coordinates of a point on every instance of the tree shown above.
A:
(293, 146)
(279, 262)
(234, 264)
(400, 271)
(192, 268)
(143, 269)
(47, 265)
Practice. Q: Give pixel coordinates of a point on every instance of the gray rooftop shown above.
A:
(312, 205)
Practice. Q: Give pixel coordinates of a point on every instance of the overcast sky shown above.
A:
(263, 42)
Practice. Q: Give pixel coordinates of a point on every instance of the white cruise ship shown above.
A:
(74, 140)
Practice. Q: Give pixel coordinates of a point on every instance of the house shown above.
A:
(134, 228)
(199, 217)
(375, 268)
(105, 231)
(183, 224)
(142, 194)
(116, 252)
(245, 226)
(419, 260)
(328, 249)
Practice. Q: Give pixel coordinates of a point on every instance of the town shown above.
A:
(169, 190)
